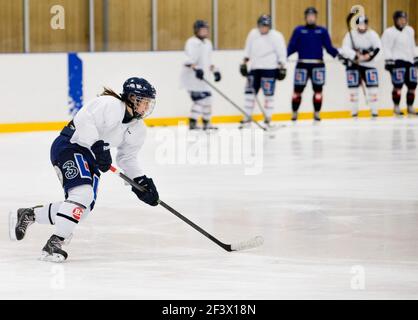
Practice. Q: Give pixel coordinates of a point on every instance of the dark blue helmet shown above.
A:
(139, 87)
(199, 24)
(362, 19)
(264, 20)
(143, 91)
(399, 14)
(311, 10)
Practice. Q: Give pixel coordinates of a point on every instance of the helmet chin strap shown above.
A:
(199, 37)
(128, 117)
(136, 115)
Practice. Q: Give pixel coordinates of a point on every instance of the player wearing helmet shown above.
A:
(362, 47)
(198, 50)
(401, 61)
(82, 151)
(308, 42)
(265, 51)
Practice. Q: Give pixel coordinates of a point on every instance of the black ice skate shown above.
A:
(397, 111)
(52, 250)
(317, 117)
(193, 124)
(246, 123)
(19, 222)
(208, 126)
(411, 111)
(294, 116)
(268, 125)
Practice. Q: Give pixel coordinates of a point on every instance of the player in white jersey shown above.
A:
(198, 63)
(400, 60)
(362, 47)
(265, 50)
(82, 151)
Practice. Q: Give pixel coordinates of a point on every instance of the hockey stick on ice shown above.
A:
(243, 245)
(234, 104)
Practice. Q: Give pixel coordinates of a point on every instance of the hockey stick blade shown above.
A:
(250, 244)
(273, 128)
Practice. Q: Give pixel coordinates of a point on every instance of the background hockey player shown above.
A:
(308, 41)
(82, 151)
(198, 64)
(362, 47)
(265, 50)
(400, 60)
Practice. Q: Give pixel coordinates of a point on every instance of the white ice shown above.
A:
(336, 204)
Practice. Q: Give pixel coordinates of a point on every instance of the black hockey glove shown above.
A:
(371, 52)
(389, 65)
(243, 69)
(342, 59)
(217, 76)
(281, 73)
(199, 73)
(151, 195)
(101, 151)
(416, 62)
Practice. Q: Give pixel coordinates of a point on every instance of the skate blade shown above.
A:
(55, 257)
(12, 225)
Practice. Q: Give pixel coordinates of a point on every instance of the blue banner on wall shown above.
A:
(75, 83)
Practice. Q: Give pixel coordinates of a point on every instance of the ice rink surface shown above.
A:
(337, 205)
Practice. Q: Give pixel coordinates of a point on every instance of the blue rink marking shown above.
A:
(75, 83)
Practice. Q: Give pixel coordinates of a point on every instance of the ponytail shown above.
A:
(110, 92)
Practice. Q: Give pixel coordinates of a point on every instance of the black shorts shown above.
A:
(75, 165)
(261, 78)
(356, 74)
(199, 95)
(313, 71)
(404, 73)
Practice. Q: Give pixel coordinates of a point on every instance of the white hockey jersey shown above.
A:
(363, 41)
(265, 51)
(101, 119)
(199, 53)
(399, 45)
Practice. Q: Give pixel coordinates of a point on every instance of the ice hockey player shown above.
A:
(265, 50)
(82, 151)
(308, 41)
(198, 50)
(362, 49)
(398, 44)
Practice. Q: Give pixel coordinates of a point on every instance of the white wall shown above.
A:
(34, 86)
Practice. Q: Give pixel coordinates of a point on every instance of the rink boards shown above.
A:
(35, 88)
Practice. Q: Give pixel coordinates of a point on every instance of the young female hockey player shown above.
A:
(265, 50)
(308, 41)
(401, 61)
(82, 151)
(362, 46)
(198, 51)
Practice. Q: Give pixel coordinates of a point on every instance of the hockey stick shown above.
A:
(349, 18)
(243, 245)
(234, 104)
(263, 111)
(260, 106)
